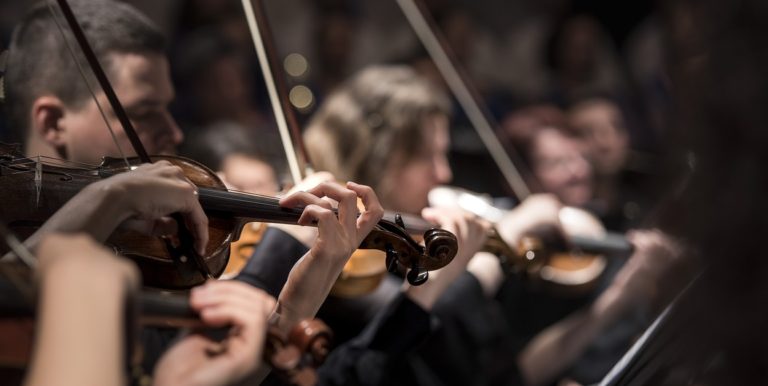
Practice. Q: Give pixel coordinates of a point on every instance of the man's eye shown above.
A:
(144, 115)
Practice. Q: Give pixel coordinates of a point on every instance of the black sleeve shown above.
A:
(272, 261)
(470, 345)
(365, 360)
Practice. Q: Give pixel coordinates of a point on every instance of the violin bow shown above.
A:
(277, 87)
(467, 96)
(185, 236)
(22, 254)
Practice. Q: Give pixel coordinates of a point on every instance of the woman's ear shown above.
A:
(45, 125)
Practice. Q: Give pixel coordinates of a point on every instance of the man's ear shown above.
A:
(46, 123)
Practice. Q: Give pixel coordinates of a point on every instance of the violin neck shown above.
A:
(251, 207)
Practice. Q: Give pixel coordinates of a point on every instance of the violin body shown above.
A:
(361, 275)
(570, 266)
(242, 249)
(33, 191)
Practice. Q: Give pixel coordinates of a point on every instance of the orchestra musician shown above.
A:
(57, 118)
(390, 117)
(386, 128)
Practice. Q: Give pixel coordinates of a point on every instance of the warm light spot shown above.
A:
(301, 97)
(295, 65)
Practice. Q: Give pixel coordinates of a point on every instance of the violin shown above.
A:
(571, 271)
(294, 356)
(33, 190)
(568, 262)
(541, 258)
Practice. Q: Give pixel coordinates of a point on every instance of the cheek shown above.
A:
(408, 191)
(550, 178)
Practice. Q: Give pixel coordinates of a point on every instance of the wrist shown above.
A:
(111, 199)
(485, 267)
(283, 318)
(609, 306)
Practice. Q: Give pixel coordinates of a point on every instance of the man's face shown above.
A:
(143, 86)
(603, 134)
(560, 167)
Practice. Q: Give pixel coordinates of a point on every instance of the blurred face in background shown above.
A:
(599, 124)
(408, 186)
(560, 167)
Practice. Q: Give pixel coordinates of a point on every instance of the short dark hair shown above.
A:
(39, 61)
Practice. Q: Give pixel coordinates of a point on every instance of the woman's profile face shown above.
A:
(408, 186)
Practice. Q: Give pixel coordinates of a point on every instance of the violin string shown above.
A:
(38, 180)
(87, 83)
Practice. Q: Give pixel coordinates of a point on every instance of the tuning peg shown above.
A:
(399, 220)
(417, 275)
(392, 263)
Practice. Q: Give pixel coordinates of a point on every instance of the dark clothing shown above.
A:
(467, 346)
(277, 247)
(471, 345)
(398, 326)
(272, 261)
(370, 358)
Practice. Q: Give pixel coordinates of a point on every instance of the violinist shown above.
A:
(388, 115)
(52, 114)
(57, 118)
(622, 192)
(389, 126)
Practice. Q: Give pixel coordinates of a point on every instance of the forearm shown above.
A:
(307, 287)
(553, 350)
(79, 342)
(97, 210)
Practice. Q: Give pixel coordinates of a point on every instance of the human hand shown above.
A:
(637, 283)
(197, 360)
(338, 236)
(150, 193)
(536, 212)
(471, 234)
(306, 235)
(79, 259)
(81, 312)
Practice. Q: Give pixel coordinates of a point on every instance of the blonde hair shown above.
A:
(373, 123)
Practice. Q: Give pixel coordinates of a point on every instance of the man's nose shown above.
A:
(177, 136)
(169, 135)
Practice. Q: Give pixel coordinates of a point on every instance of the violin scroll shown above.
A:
(441, 245)
(313, 337)
(404, 254)
(296, 356)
